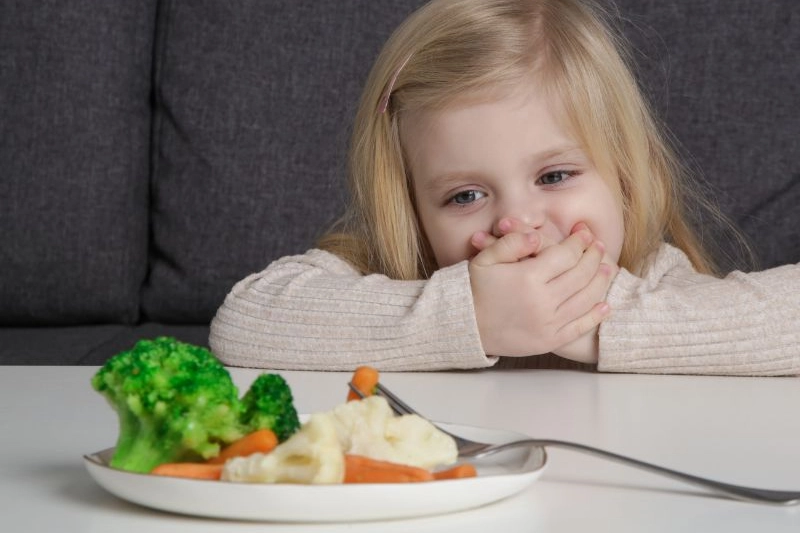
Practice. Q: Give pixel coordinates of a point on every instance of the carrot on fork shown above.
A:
(365, 378)
(189, 470)
(360, 469)
(260, 441)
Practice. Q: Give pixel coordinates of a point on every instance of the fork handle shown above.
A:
(778, 497)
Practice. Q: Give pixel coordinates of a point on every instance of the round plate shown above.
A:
(499, 477)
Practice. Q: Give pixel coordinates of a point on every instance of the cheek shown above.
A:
(616, 238)
(610, 226)
(450, 246)
(599, 209)
(448, 238)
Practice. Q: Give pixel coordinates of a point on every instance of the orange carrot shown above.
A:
(261, 441)
(189, 470)
(456, 472)
(364, 378)
(360, 469)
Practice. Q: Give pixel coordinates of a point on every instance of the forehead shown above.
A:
(474, 131)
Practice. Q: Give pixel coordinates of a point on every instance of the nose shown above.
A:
(519, 213)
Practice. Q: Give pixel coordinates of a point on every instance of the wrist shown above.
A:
(584, 349)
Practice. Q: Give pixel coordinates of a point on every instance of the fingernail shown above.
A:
(605, 309)
(600, 246)
(504, 225)
(579, 226)
(605, 269)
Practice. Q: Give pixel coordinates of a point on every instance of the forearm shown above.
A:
(678, 322)
(313, 312)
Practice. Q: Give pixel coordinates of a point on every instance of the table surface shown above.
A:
(740, 430)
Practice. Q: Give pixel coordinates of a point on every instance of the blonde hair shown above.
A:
(452, 48)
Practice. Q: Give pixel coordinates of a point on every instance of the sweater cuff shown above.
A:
(457, 334)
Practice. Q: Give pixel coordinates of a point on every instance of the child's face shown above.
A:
(476, 164)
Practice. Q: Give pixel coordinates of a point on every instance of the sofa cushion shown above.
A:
(254, 102)
(74, 159)
(724, 76)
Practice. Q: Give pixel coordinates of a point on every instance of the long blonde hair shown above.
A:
(451, 48)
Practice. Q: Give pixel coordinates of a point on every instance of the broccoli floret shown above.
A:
(177, 402)
(269, 404)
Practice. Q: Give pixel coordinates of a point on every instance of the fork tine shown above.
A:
(356, 390)
(398, 406)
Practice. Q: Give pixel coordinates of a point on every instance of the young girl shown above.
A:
(512, 197)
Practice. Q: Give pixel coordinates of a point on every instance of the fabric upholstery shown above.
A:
(724, 76)
(254, 100)
(74, 160)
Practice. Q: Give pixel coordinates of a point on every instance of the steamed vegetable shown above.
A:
(360, 469)
(177, 403)
(365, 379)
(370, 428)
(312, 455)
(189, 470)
(260, 441)
(456, 472)
(268, 404)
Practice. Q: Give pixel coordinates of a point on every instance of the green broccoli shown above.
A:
(269, 403)
(177, 402)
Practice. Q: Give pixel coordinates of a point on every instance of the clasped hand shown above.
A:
(533, 296)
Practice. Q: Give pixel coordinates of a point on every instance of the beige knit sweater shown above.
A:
(315, 312)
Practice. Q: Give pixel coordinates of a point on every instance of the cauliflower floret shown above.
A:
(312, 455)
(369, 427)
(360, 423)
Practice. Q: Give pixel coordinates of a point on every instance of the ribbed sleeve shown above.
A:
(315, 312)
(676, 321)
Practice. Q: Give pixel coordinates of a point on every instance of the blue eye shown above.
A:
(467, 197)
(556, 177)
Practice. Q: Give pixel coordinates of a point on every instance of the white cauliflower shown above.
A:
(369, 427)
(312, 455)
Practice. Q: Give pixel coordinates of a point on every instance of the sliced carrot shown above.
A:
(365, 378)
(456, 472)
(189, 470)
(261, 441)
(360, 469)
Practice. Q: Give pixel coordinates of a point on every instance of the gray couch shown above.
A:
(152, 153)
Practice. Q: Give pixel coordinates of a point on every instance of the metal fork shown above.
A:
(469, 449)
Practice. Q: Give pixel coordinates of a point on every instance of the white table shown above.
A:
(741, 430)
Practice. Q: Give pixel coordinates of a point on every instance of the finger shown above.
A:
(579, 227)
(508, 225)
(509, 249)
(587, 297)
(482, 239)
(584, 324)
(579, 276)
(559, 258)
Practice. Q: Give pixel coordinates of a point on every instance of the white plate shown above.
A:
(499, 477)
